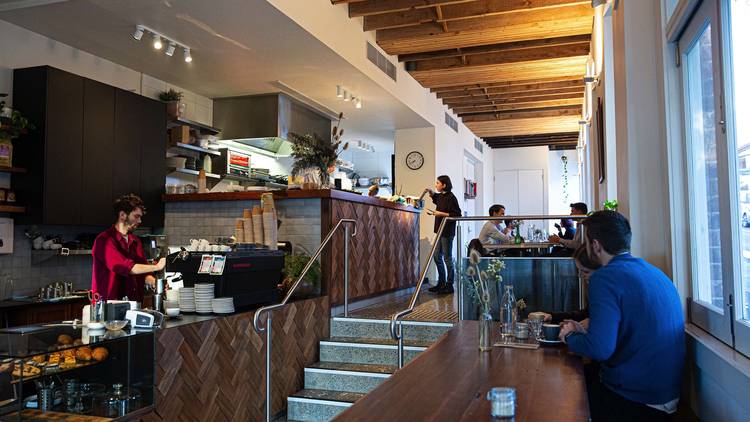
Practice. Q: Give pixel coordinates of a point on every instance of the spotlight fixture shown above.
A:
(170, 49)
(186, 54)
(157, 42)
(358, 103)
(138, 34)
(347, 96)
(339, 91)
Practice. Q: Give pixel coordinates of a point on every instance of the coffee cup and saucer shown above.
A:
(550, 334)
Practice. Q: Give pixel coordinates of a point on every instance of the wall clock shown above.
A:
(415, 160)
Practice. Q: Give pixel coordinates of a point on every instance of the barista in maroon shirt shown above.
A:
(120, 267)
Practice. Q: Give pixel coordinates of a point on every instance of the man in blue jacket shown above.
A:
(635, 333)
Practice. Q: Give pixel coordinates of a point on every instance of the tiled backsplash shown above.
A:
(30, 270)
(300, 221)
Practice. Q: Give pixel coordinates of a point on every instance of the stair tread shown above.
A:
(388, 341)
(355, 367)
(337, 396)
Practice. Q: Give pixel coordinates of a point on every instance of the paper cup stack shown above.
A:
(270, 230)
(204, 296)
(257, 217)
(247, 222)
(223, 305)
(187, 299)
(239, 231)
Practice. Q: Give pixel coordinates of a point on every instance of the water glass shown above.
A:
(535, 327)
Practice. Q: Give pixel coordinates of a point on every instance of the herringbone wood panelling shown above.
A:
(383, 256)
(215, 370)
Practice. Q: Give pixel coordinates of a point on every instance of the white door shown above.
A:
(506, 190)
(531, 192)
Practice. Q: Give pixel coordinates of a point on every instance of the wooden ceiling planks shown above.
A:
(506, 67)
(567, 140)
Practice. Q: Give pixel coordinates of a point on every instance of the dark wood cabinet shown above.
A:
(93, 143)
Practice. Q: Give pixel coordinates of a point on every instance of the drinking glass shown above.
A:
(535, 326)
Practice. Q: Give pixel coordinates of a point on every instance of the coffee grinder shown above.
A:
(155, 248)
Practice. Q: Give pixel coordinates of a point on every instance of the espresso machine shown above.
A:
(155, 247)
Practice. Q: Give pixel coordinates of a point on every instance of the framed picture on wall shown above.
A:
(600, 140)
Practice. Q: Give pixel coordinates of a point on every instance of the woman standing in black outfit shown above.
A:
(446, 205)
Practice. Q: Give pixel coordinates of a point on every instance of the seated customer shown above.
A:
(635, 332)
(495, 231)
(579, 208)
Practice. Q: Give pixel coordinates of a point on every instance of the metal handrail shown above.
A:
(256, 317)
(395, 324)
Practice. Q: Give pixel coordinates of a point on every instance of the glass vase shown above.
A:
(485, 331)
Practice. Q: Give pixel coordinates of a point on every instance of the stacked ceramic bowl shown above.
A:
(204, 296)
(187, 299)
(223, 305)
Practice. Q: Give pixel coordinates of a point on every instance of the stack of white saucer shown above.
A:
(223, 305)
(187, 299)
(204, 296)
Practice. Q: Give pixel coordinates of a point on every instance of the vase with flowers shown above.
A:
(12, 125)
(479, 292)
(315, 158)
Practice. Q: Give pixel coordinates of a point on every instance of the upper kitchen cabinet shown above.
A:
(93, 143)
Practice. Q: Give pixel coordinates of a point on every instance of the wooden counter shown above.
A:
(450, 381)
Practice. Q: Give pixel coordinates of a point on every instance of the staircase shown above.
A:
(359, 356)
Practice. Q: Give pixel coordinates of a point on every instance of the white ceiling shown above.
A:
(239, 47)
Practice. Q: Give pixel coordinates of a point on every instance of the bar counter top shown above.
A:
(289, 194)
(450, 381)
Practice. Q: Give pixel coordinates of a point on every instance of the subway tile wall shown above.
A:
(300, 221)
(31, 270)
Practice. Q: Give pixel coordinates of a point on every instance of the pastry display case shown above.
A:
(64, 369)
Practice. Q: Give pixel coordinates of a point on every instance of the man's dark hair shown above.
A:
(611, 229)
(583, 258)
(580, 207)
(447, 182)
(127, 204)
(496, 208)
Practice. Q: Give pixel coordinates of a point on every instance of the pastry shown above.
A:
(40, 358)
(70, 362)
(99, 354)
(65, 339)
(69, 353)
(83, 353)
(54, 358)
(28, 371)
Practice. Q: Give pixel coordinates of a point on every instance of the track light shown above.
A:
(186, 54)
(347, 97)
(138, 34)
(170, 49)
(157, 42)
(358, 103)
(339, 91)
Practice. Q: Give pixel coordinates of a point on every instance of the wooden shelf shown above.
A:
(195, 125)
(12, 209)
(4, 169)
(195, 173)
(58, 252)
(196, 148)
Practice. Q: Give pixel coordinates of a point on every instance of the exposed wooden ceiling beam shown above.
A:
(537, 89)
(525, 126)
(577, 80)
(521, 26)
(501, 57)
(559, 67)
(451, 12)
(489, 107)
(374, 7)
(566, 144)
(496, 48)
(347, 1)
(576, 97)
(523, 138)
(525, 114)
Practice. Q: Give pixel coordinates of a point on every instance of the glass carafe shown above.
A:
(114, 404)
(508, 312)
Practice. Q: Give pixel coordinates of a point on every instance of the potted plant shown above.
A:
(315, 157)
(293, 266)
(172, 98)
(12, 125)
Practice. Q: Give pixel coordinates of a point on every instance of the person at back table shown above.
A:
(635, 331)
(578, 208)
(495, 231)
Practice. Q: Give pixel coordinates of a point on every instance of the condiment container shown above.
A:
(503, 402)
(522, 330)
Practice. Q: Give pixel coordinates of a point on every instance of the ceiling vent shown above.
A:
(478, 145)
(450, 121)
(378, 59)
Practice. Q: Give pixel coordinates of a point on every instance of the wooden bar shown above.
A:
(450, 381)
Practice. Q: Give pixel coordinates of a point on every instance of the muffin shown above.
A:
(99, 354)
(65, 339)
(83, 353)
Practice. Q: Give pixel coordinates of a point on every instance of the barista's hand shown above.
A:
(161, 264)
(150, 282)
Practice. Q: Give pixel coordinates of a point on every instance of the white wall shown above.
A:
(558, 204)
(529, 158)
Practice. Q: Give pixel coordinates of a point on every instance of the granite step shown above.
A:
(352, 377)
(369, 351)
(318, 405)
(380, 328)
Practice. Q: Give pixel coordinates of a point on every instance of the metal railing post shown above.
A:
(459, 266)
(269, 403)
(346, 270)
(400, 345)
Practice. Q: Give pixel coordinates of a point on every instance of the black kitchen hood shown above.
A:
(265, 121)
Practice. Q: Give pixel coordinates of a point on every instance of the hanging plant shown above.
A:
(564, 159)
